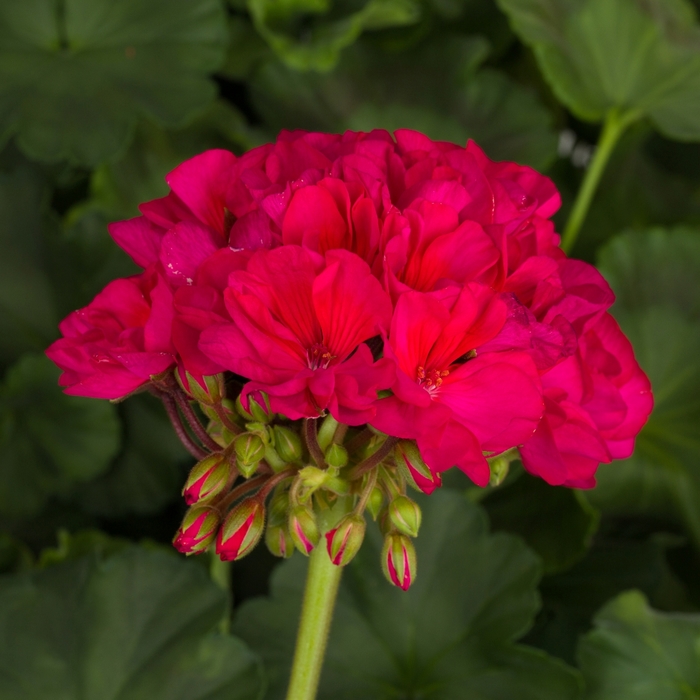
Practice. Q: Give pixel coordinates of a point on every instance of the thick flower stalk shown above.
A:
(354, 315)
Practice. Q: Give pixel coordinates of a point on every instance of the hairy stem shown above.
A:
(171, 409)
(191, 417)
(375, 458)
(322, 581)
(614, 126)
(311, 438)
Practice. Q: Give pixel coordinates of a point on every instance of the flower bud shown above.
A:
(399, 560)
(197, 531)
(241, 530)
(375, 502)
(345, 539)
(336, 456)
(207, 390)
(279, 541)
(303, 529)
(256, 407)
(326, 431)
(405, 515)
(250, 449)
(278, 508)
(287, 444)
(411, 465)
(207, 479)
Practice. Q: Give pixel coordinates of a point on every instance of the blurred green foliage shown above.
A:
(99, 99)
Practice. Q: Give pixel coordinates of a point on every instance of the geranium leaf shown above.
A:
(451, 636)
(663, 475)
(137, 625)
(510, 509)
(49, 441)
(637, 56)
(310, 34)
(76, 74)
(641, 654)
(149, 471)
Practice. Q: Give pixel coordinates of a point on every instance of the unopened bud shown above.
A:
(207, 390)
(399, 560)
(197, 531)
(336, 456)
(303, 529)
(375, 502)
(279, 541)
(207, 479)
(255, 408)
(250, 449)
(405, 516)
(287, 444)
(241, 530)
(326, 431)
(500, 466)
(416, 472)
(345, 539)
(278, 508)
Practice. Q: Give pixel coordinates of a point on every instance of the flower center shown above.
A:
(432, 379)
(319, 356)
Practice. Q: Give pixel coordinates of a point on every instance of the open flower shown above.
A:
(115, 344)
(298, 322)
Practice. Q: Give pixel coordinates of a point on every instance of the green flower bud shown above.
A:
(241, 530)
(287, 444)
(375, 502)
(405, 515)
(279, 506)
(250, 449)
(336, 456)
(411, 465)
(258, 408)
(197, 531)
(303, 529)
(345, 539)
(399, 560)
(211, 392)
(207, 479)
(326, 431)
(279, 541)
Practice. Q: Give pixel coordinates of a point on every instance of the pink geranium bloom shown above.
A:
(114, 345)
(455, 405)
(298, 322)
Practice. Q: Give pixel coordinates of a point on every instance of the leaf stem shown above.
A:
(311, 438)
(614, 126)
(322, 581)
(377, 457)
(191, 417)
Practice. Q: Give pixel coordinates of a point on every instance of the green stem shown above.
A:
(220, 572)
(613, 127)
(321, 590)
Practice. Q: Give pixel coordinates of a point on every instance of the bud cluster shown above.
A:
(297, 484)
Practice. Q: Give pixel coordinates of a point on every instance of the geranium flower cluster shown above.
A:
(409, 293)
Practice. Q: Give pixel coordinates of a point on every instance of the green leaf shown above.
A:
(150, 470)
(449, 637)
(74, 545)
(614, 564)
(76, 74)
(28, 316)
(638, 653)
(133, 626)
(310, 34)
(663, 476)
(245, 50)
(14, 555)
(510, 509)
(48, 441)
(641, 57)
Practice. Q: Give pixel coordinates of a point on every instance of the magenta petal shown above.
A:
(185, 247)
(140, 238)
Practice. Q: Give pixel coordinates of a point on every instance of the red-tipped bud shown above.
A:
(279, 541)
(336, 456)
(287, 444)
(405, 515)
(375, 502)
(416, 472)
(345, 539)
(255, 408)
(197, 531)
(207, 479)
(303, 529)
(399, 560)
(241, 530)
(207, 390)
(250, 449)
